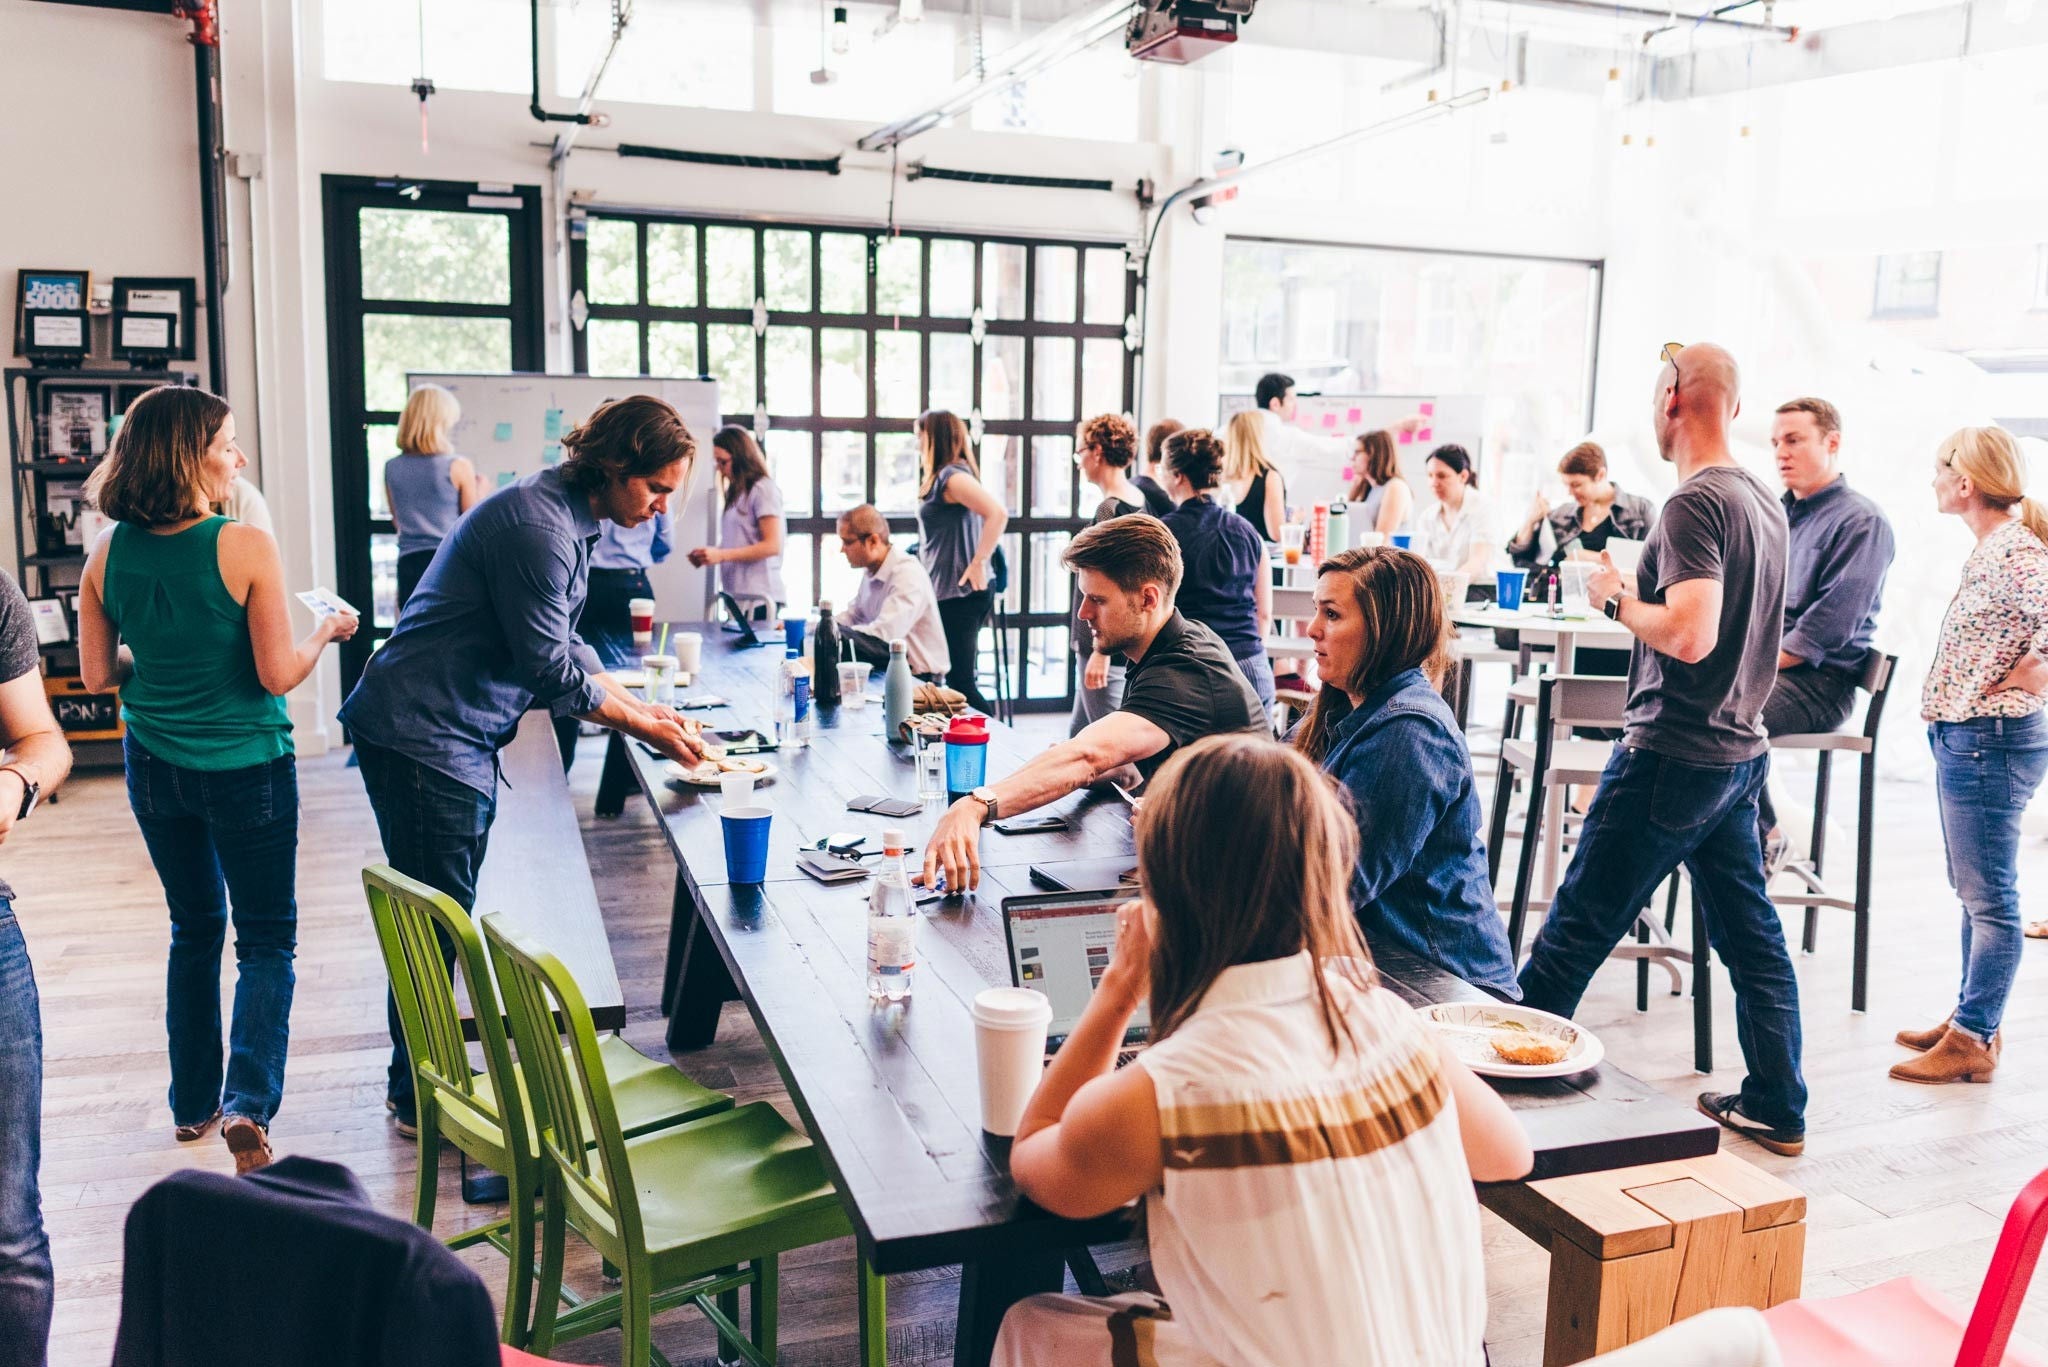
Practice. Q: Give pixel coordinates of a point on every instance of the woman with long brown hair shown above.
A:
(749, 549)
(1304, 1146)
(1380, 498)
(1380, 728)
(960, 525)
(186, 613)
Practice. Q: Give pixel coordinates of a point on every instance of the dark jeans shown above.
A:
(221, 837)
(1649, 815)
(27, 1290)
(606, 622)
(411, 567)
(963, 618)
(1985, 772)
(1804, 701)
(434, 829)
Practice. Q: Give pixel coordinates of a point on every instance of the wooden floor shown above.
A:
(1901, 1178)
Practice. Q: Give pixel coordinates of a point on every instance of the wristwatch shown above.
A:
(31, 792)
(987, 797)
(1612, 607)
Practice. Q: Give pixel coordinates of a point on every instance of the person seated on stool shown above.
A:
(1305, 1146)
(895, 601)
(1380, 728)
(1180, 685)
(1842, 547)
(618, 574)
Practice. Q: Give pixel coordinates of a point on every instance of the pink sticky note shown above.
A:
(1426, 408)
(1348, 475)
(1422, 434)
(1352, 415)
(1407, 437)
(1329, 419)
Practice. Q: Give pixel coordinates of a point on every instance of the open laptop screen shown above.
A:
(1060, 946)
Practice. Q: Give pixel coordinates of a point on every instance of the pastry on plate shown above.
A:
(738, 766)
(1528, 1048)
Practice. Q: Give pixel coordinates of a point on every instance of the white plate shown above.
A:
(1469, 1027)
(676, 773)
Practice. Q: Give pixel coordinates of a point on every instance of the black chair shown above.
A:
(1875, 681)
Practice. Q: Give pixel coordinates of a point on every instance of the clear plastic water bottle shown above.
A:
(892, 925)
(793, 703)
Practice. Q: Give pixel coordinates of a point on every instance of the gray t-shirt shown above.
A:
(17, 650)
(1721, 524)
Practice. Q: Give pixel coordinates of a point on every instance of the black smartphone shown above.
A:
(1031, 825)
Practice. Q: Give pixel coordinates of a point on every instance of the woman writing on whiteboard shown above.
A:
(750, 530)
(426, 486)
(960, 524)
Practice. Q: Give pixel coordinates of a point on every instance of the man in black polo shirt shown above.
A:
(1182, 685)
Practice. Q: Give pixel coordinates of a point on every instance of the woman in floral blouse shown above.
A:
(1982, 702)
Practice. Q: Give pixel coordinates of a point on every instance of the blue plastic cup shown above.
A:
(1402, 540)
(746, 844)
(1507, 588)
(793, 633)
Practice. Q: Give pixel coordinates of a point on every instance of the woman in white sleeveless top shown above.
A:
(1305, 1148)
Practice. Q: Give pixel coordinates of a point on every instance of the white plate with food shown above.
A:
(707, 774)
(1499, 1040)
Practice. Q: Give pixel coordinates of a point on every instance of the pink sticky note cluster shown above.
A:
(1427, 409)
(1422, 433)
(1407, 437)
(1352, 415)
(1329, 419)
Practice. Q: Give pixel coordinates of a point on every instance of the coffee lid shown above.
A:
(1011, 1008)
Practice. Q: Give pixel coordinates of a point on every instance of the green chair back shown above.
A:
(412, 921)
(539, 991)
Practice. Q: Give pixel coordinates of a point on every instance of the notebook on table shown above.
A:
(1060, 944)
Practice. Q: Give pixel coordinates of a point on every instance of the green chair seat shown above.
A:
(651, 1095)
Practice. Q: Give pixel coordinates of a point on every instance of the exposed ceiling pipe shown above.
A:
(536, 109)
(1443, 54)
(1663, 15)
(205, 39)
(622, 15)
(1018, 63)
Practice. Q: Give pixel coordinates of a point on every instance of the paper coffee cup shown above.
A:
(689, 651)
(735, 790)
(1009, 1050)
(640, 613)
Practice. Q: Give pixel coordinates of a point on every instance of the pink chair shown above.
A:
(1903, 1324)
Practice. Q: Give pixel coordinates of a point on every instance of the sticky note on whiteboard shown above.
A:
(503, 432)
(1422, 434)
(1329, 419)
(1407, 437)
(551, 425)
(551, 454)
(505, 477)
(1426, 409)
(1352, 415)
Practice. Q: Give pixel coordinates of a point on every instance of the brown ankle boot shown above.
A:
(1957, 1058)
(248, 1142)
(1923, 1040)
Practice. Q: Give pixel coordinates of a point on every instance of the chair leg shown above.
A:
(1497, 820)
(1866, 812)
(874, 1318)
(1671, 904)
(762, 1307)
(428, 1180)
(1525, 868)
(1642, 968)
(729, 1306)
(547, 1299)
(519, 1290)
(1702, 992)
(636, 1315)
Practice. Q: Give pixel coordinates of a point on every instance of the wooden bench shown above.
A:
(1633, 1250)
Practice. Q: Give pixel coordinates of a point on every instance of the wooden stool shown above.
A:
(1633, 1250)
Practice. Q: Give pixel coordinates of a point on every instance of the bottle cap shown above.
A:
(892, 840)
(968, 730)
(895, 647)
(824, 605)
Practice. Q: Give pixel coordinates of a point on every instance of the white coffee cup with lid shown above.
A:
(1009, 1048)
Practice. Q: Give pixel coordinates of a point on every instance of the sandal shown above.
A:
(248, 1142)
(185, 1134)
(2037, 930)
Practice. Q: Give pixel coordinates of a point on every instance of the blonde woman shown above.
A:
(1255, 484)
(1982, 703)
(427, 486)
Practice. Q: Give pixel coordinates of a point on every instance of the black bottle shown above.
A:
(825, 659)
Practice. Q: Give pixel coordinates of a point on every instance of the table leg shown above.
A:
(616, 780)
(702, 984)
(988, 1289)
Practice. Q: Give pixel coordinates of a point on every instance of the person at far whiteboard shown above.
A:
(426, 486)
(749, 549)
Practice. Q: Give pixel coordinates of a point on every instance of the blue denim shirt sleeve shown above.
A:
(1394, 824)
(534, 610)
(1848, 575)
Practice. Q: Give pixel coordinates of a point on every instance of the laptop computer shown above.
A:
(1060, 944)
(736, 620)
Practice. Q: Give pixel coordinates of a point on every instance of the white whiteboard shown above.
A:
(512, 426)
(1458, 419)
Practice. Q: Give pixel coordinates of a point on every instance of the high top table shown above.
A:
(889, 1092)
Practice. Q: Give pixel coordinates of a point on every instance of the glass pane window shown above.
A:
(899, 266)
(1054, 287)
(1102, 376)
(953, 372)
(672, 265)
(789, 464)
(614, 345)
(786, 261)
(896, 472)
(789, 372)
(380, 439)
(1107, 286)
(729, 267)
(952, 277)
(613, 256)
(1052, 476)
(1052, 379)
(1052, 585)
(384, 579)
(798, 550)
(843, 372)
(1908, 285)
(1013, 596)
(433, 256)
(843, 472)
(732, 365)
(843, 273)
(1052, 653)
(1002, 470)
(394, 344)
(837, 580)
(1002, 279)
(672, 350)
(899, 371)
(1002, 379)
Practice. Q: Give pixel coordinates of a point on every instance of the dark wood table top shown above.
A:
(889, 1092)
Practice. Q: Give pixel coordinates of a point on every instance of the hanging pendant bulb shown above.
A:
(842, 38)
(1611, 91)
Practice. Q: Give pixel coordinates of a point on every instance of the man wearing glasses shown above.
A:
(1707, 612)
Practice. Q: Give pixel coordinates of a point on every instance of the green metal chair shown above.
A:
(476, 1112)
(688, 1215)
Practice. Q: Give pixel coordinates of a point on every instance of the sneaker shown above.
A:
(248, 1142)
(1725, 1108)
(403, 1118)
(185, 1134)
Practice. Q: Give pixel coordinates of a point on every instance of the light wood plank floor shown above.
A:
(1902, 1178)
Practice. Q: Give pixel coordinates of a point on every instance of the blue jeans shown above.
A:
(1650, 815)
(26, 1289)
(434, 829)
(1985, 770)
(219, 837)
(1258, 667)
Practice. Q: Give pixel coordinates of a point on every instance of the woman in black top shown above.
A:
(1255, 483)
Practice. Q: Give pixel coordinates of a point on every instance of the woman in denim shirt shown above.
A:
(1380, 728)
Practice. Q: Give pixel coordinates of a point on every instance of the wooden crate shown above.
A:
(82, 715)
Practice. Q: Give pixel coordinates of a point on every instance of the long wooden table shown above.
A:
(889, 1093)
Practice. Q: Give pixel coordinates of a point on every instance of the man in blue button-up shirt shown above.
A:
(1834, 583)
(489, 634)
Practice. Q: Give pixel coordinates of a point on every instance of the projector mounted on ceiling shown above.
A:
(1183, 31)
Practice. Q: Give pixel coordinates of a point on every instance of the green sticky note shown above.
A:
(504, 432)
(551, 454)
(505, 477)
(551, 425)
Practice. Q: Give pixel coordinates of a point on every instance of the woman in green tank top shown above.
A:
(186, 613)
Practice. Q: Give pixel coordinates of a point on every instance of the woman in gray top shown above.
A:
(959, 525)
(427, 486)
